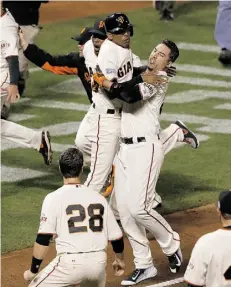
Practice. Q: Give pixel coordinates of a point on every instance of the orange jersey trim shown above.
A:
(59, 70)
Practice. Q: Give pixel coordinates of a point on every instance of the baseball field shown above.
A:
(190, 180)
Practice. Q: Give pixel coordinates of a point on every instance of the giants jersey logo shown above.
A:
(124, 70)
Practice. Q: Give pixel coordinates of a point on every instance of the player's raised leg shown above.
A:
(104, 147)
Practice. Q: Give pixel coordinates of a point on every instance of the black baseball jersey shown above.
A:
(70, 64)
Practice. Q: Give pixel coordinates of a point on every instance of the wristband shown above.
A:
(35, 264)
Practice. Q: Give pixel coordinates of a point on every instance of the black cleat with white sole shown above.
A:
(175, 261)
(189, 137)
(45, 147)
(139, 275)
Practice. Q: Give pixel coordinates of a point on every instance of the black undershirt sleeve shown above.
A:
(13, 69)
(118, 245)
(127, 91)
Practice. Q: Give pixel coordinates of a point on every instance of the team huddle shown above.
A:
(120, 139)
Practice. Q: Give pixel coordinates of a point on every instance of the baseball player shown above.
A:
(81, 222)
(140, 159)
(210, 262)
(26, 14)
(87, 134)
(39, 140)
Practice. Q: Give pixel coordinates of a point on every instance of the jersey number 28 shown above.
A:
(95, 212)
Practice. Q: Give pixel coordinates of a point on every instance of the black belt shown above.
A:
(131, 141)
(110, 111)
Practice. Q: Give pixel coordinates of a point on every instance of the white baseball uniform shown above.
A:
(9, 47)
(137, 174)
(210, 262)
(102, 127)
(82, 222)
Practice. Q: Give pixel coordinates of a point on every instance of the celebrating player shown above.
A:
(39, 140)
(81, 222)
(139, 161)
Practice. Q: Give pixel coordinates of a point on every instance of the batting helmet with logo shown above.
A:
(118, 23)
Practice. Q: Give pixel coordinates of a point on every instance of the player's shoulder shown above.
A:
(53, 195)
(207, 239)
(88, 48)
(136, 60)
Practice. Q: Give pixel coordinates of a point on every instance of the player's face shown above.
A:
(81, 50)
(159, 57)
(97, 42)
(122, 40)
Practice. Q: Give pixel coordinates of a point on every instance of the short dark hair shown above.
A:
(174, 54)
(71, 163)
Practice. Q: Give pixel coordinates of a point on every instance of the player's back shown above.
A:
(210, 263)
(219, 266)
(82, 217)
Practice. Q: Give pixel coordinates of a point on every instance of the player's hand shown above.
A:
(99, 77)
(22, 41)
(152, 78)
(28, 275)
(171, 71)
(95, 86)
(119, 264)
(12, 94)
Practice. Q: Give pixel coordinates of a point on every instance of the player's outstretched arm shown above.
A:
(60, 65)
(41, 247)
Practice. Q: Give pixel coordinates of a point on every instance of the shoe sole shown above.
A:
(185, 127)
(134, 283)
(47, 138)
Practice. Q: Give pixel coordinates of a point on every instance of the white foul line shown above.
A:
(168, 283)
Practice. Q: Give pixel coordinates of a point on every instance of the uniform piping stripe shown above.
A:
(4, 80)
(145, 202)
(50, 272)
(96, 153)
(171, 135)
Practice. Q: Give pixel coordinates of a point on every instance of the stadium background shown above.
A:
(200, 95)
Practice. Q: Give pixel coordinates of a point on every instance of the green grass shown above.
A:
(188, 178)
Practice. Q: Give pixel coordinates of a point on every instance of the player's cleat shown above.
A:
(45, 147)
(189, 137)
(139, 275)
(225, 57)
(175, 261)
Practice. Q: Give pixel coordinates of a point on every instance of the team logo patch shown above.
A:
(110, 71)
(43, 219)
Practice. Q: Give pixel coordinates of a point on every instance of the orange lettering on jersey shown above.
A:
(101, 24)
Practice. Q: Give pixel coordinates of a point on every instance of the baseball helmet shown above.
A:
(118, 23)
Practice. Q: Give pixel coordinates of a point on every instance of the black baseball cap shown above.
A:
(224, 202)
(99, 28)
(84, 36)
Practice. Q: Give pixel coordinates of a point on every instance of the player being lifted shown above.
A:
(140, 157)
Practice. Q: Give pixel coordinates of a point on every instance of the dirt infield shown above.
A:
(191, 224)
(61, 11)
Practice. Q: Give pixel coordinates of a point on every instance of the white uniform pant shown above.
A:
(21, 135)
(136, 177)
(74, 270)
(15, 132)
(99, 133)
(30, 32)
(82, 142)
(169, 137)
